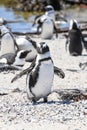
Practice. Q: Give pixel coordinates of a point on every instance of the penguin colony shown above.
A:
(42, 66)
(16, 50)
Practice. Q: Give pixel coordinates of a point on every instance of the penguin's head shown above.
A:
(2, 21)
(42, 48)
(49, 8)
(23, 53)
(49, 11)
(73, 24)
(20, 57)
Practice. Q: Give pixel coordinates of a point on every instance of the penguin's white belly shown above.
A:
(44, 81)
(47, 30)
(7, 45)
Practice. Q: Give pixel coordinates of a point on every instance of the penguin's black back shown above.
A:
(75, 45)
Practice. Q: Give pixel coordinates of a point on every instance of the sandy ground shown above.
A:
(74, 78)
(16, 111)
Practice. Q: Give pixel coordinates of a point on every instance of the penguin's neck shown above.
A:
(18, 61)
(42, 56)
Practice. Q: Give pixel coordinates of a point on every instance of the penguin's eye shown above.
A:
(48, 9)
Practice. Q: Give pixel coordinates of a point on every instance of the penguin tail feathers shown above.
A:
(75, 54)
(59, 72)
(83, 65)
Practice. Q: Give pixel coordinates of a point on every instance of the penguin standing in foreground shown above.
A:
(40, 74)
(75, 39)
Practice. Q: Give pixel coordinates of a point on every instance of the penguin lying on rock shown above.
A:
(40, 74)
(74, 39)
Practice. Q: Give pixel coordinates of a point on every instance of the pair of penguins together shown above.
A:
(40, 74)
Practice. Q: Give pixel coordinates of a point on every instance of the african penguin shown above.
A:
(17, 59)
(9, 41)
(46, 23)
(40, 74)
(74, 39)
(49, 11)
(39, 81)
(26, 43)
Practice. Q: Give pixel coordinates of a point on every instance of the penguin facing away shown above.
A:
(40, 74)
(74, 39)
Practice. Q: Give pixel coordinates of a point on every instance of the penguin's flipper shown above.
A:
(59, 72)
(6, 67)
(28, 70)
(21, 74)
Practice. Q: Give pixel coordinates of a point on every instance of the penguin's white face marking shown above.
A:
(50, 12)
(42, 48)
(20, 58)
(49, 8)
(73, 24)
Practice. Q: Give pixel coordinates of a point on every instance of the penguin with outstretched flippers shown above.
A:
(40, 74)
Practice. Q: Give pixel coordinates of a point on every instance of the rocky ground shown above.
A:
(17, 112)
